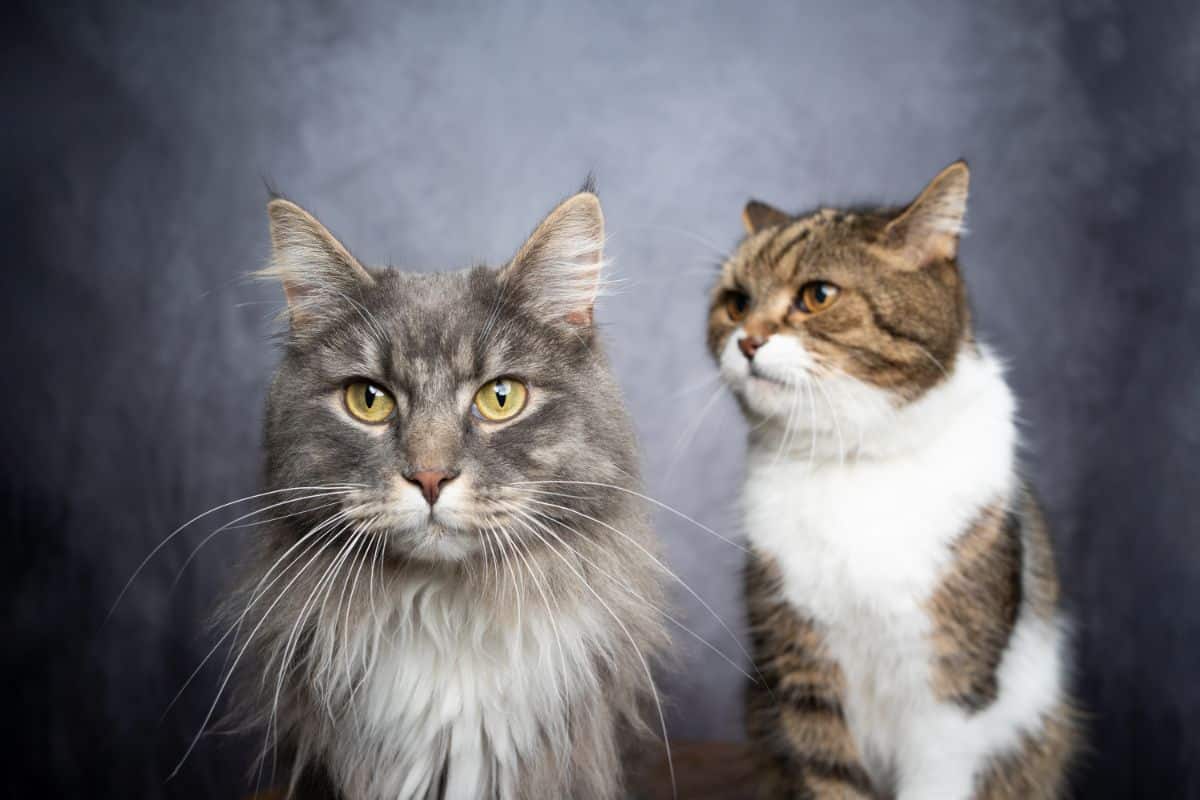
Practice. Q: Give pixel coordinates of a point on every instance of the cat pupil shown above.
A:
(501, 394)
(369, 396)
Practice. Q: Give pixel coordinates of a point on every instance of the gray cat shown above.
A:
(461, 598)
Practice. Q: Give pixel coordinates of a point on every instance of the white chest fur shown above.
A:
(862, 544)
(874, 530)
(452, 685)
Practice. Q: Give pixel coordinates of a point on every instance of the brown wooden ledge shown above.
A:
(703, 771)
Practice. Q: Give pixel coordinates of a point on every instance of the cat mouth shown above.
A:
(763, 377)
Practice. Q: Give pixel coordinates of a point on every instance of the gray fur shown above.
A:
(432, 340)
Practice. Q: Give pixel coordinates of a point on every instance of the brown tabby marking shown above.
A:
(975, 609)
(1002, 564)
(902, 313)
(1035, 770)
(800, 741)
(1040, 578)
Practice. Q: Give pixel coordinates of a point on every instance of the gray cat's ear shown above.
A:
(758, 215)
(929, 228)
(313, 266)
(557, 272)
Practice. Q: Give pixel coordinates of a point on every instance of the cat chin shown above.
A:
(436, 543)
(765, 397)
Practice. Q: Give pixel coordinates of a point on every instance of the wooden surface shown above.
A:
(703, 771)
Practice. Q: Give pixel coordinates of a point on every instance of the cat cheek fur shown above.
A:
(823, 410)
(763, 389)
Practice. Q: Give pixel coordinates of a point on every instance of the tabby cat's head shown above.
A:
(437, 401)
(838, 317)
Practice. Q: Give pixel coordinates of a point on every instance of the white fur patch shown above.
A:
(452, 686)
(859, 500)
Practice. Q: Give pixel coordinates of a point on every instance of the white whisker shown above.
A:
(533, 516)
(644, 497)
(236, 627)
(233, 668)
(286, 655)
(559, 685)
(637, 651)
(836, 421)
(367, 549)
(812, 413)
(230, 525)
(661, 565)
(207, 513)
(690, 431)
(512, 573)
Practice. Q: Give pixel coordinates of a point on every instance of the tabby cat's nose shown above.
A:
(749, 345)
(430, 481)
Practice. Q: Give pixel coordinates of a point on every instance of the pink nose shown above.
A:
(430, 481)
(749, 345)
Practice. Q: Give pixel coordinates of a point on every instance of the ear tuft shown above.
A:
(313, 266)
(758, 215)
(556, 273)
(930, 227)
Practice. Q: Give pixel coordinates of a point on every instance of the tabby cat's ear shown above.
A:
(758, 215)
(556, 273)
(314, 267)
(929, 228)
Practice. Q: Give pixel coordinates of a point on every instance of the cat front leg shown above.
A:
(802, 748)
(800, 742)
(1037, 768)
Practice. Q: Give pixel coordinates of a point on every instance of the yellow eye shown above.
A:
(735, 304)
(367, 402)
(816, 296)
(500, 399)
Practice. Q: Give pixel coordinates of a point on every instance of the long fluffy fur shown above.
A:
(500, 642)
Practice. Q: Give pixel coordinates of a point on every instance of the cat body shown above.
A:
(464, 599)
(901, 585)
(863, 549)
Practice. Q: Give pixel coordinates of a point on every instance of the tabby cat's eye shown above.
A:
(500, 399)
(816, 296)
(367, 402)
(735, 304)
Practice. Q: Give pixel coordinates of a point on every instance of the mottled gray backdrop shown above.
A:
(134, 149)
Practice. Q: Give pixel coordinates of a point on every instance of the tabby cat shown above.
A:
(901, 586)
(463, 599)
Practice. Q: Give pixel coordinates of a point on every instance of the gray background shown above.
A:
(134, 150)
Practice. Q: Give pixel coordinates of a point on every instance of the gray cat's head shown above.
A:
(439, 400)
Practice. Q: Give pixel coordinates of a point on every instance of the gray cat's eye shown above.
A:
(501, 399)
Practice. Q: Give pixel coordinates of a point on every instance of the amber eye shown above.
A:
(367, 402)
(735, 304)
(500, 399)
(816, 296)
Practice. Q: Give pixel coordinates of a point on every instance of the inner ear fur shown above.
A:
(308, 260)
(929, 228)
(557, 272)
